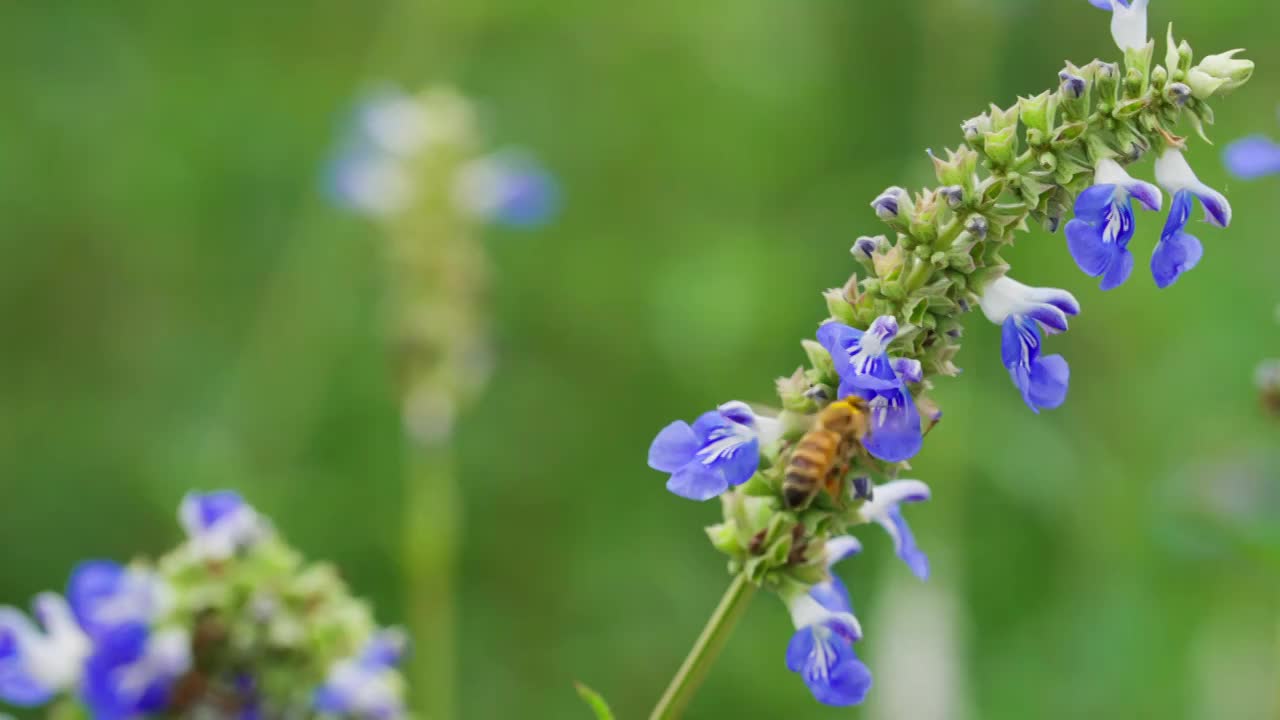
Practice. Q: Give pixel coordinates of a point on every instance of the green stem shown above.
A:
(430, 552)
(703, 655)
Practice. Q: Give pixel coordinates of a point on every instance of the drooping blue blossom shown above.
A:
(35, 663)
(884, 509)
(866, 370)
(1178, 251)
(133, 669)
(219, 523)
(821, 650)
(366, 686)
(1099, 235)
(719, 451)
(1128, 21)
(510, 189)
(1022, 311)
(105, 595)
(1253, 157)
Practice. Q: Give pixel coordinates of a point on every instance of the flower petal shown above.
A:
(799, 649)
(1147, 194)
(1217, 209)
(673, 448)
(832, 595)
(1048, 383)
(908, 370)
(1174, 256)
(1119, 269)
(1094, 202)
(1091, 254)
(840, 547)
(833, 673)
(696, 481)
(17, 686)
(904, 542)
(895, 434)
(741, 463)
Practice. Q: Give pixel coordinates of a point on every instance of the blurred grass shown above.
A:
(180, 309)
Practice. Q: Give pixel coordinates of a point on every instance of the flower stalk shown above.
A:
(733, 605)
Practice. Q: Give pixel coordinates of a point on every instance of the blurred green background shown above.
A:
(181, 308)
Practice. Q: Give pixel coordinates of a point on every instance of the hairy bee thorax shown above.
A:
(820, 460)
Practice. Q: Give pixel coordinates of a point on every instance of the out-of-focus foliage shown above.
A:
(180, 308)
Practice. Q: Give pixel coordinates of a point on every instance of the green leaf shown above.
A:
(595, 700)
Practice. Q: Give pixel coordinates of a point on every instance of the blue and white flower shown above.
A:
(1022, 311)
(105, 595)
(1128, 21)
(37, 664)
(133, 669)
(510, 189)
(884, 509)
(1253, 157)
(1178, 251)
(721, 450)
(368, 685)
(219, 524)
(821, 649)
(866, 370)
(1099, 235)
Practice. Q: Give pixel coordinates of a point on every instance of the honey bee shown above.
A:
(821, 458)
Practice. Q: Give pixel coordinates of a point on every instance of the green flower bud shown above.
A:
(1001, 147)
(975, 128)
(819, 358)
(1003, 119)
(1107, 77)
(1202, 84)
(1037, 112)
(1225, 67)
(1159, 76)
(724, 537)
(957, 169)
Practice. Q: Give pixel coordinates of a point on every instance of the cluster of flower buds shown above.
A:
(897, 325)
(231, 624)
(412, 162)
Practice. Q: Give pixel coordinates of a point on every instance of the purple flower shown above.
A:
(1042, 380)
(34, 664)
(866, 370)
(883, 509)
(1022, 311)
(133, 669)
(219, 524)
(721, 450)
(366, 686)
(1253, 157)
(1179, 251)
(821, 650)
(1099, 235)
